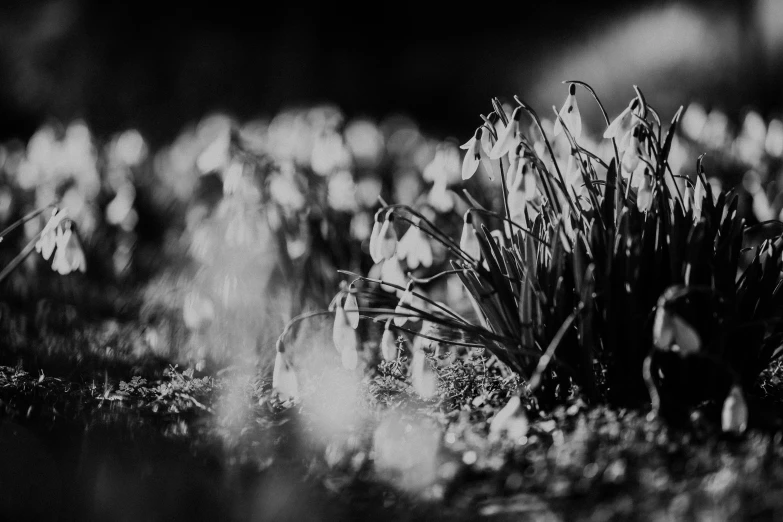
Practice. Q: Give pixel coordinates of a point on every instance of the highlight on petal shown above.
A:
(468, 145)
(388, 239)
(284, 379)
(508, 138)
(663, 329)
(391, 272)
(686, 338)
(617, 126)
(352, 310)
(734, 416)
(415, 248)
(375, 242)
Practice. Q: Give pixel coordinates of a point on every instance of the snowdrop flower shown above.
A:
(387, 238)
(69, 255)
(47, 242)
(634, 152)
(673, 333)
(570, 115)
(487, 137)
(352, 310)
(439, 197)
(343, 335)
(404, 307)
(374, 240)
(478, 148)
(644, 196)
(284, 379)
(522, 190)
(388, 344)
(341, 191)
(510, 420)
(774, 141)
(734, 416)
(349, 357)
(473, 155)
(391, 272)
(469, 242)
(415, 249)
(423, 377)
(509, 137)
(635, 177)
(621, 124)
(198, 311)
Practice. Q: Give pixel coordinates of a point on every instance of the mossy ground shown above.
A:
(167, 444)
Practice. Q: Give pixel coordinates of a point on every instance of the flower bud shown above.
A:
(734, 417)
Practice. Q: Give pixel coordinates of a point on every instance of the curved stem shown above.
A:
(280, 346)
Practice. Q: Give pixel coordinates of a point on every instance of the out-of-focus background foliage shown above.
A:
(154, 65)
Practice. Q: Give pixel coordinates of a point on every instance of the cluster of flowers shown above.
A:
(280, 204)
(751, 154)
(93, 185)
(510, 260)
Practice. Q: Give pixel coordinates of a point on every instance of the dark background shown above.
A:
(159, 65)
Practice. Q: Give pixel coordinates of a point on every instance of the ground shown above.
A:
(166, 444)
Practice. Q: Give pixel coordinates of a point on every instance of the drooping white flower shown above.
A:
(634, 152)
(387, 238)
(522, 190)
(734, 416)
(404, 307)
(198, 312)
(47, 242)
(343, 336)
(473, 155)
(352, 310)
(69, 256)
(774, 142)
(673, 333)
(374, 241)
(423, 377)
(570, 115)
(284, 379)
(508, 137)
(469, 242)
(620, 125)
(644, 196)
(415, 249)
(389, 344)
(511, 420)
(391, 272)
(439, 197)
(487, 140)
(349, 357)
